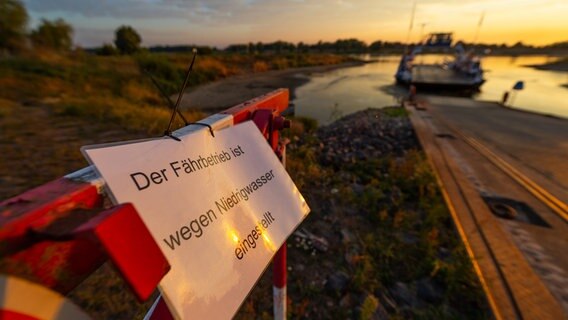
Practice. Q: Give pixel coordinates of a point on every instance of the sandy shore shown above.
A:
(560, 66)
(228, 92)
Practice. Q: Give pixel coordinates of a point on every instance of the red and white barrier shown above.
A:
(67, 216)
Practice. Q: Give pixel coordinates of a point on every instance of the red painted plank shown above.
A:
(13, 315)
(41, 206)
(58, 265)
(277, 101)
(26, 252)
(130, 246)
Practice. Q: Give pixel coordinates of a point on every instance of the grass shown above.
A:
(95, 88)
(7, 109)
(369, 306)
(117, 88)
(396, 112)
(303, 161)
(408, 229)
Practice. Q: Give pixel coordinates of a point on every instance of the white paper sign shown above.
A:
(219, 208)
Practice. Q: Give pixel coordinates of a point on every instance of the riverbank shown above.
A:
(77, 99)
(225, 93)
(379, 242)
(121, 90)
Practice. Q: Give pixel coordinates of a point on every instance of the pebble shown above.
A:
(337, 282)
(429, 291)
(402, 294)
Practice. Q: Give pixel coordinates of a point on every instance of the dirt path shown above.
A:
(37, 146)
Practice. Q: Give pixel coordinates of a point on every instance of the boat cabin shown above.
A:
(438, 40)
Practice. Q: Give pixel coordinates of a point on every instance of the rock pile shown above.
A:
(364, 135)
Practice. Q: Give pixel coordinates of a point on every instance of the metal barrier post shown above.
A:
(279, 286)
(279, 262)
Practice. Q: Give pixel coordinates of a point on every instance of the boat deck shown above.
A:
(436, 75)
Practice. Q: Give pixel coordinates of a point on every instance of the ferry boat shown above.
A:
(464, 73)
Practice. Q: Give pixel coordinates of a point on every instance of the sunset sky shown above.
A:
(222, 22)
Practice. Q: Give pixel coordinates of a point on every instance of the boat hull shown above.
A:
(435, 78)
(441, 87)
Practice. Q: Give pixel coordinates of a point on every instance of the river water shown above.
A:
(328, 96)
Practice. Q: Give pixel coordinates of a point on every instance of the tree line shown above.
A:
(54, 35)
(15, 37)
(342, 46)
(357, 46)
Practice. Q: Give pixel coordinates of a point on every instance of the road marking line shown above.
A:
(543, 191)
(476, 267)
(560, 208)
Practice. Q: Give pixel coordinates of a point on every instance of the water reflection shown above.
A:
(543, 90)
(334, 94)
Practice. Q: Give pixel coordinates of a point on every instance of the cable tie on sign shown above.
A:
(170, 135)
(205, 125)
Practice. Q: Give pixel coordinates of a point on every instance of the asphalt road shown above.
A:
(536, 146)
(537, 143)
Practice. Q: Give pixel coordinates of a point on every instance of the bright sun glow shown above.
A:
(234, 237)
(268, 243)
(220, 23)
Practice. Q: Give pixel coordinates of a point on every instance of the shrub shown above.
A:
(260, 66)
(13, 23)
(55, 35)
(127, 40)
(168, 76)
(107, 50)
